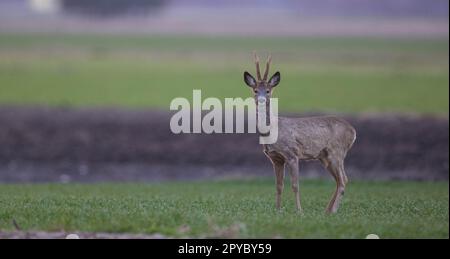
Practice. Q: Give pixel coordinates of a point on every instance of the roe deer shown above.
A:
(324, 138)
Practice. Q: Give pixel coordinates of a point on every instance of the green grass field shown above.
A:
(232, 208)
(318, 74)
(351, 75)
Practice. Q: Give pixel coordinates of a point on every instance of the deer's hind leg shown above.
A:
(335, 165)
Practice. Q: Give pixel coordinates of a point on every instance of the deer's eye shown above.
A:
(256, 91)
(267, 91)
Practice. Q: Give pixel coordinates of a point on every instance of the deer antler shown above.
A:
(266, 73)
(258, 73)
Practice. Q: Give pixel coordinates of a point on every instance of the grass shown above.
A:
(353, 75)
(230, 208)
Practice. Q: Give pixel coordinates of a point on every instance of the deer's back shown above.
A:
(309, 137)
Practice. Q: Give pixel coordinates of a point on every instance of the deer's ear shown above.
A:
(275, 79)
(249, 79)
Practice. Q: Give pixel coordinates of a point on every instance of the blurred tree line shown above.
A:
(108, 8)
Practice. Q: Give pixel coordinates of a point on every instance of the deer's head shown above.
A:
(261, 87)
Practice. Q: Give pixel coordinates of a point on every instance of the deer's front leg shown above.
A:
(293, 171)
(278, 168)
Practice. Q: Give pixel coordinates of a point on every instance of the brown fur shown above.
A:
(326, 138)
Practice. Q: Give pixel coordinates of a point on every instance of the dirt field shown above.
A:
(64, 145)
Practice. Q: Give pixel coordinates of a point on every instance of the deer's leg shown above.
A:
(344, 174)
(335, 167)
(293, 171)
(278, 168)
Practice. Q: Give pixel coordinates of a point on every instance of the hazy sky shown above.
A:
(248, 17)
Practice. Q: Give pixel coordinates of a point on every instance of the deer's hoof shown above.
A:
(330, 211)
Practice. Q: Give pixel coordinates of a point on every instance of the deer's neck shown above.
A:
(263, 112)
